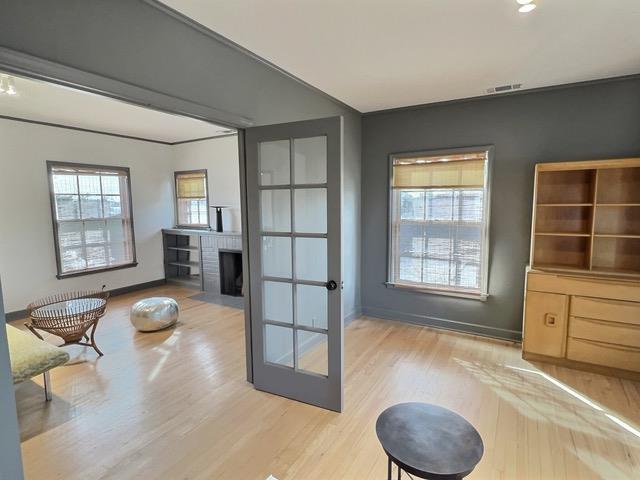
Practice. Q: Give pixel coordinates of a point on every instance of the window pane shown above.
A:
(192, 211)
(114, 231)
(112, 207)
(278, 301)
(276, 257)
(313, 352)
(275, 163)
(91, 206)
(471, 205)
(312, 306)
(73, 259)
(118, 254)
(96, 257)
(65, 183)
(278, 345)
(89, 184)
(70, 234)
(67, 207)
(311, 210)
(311, 259)
(412, 205)
(439, 205)
(110, 184)
(411, 239)
(94, 232)
(436, 272)
(310, 157)
(411, 269)
(275, 210)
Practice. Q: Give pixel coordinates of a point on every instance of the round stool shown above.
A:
(154, 313)
(428, 441)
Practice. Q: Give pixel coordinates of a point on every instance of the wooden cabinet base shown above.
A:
(587, 367)
(583, 322)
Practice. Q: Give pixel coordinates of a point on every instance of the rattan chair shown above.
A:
(69, 316)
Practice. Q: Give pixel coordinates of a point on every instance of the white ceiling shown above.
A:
(377, 54)
(46, 102)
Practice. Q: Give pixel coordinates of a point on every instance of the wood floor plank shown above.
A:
(174, 405)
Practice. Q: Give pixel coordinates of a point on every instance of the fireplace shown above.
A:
(230, 272)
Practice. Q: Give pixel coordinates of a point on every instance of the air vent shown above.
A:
(504, 88)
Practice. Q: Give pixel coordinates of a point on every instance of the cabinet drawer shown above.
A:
(603, 331)
(588, 351)
(604, 309)
(584, 286)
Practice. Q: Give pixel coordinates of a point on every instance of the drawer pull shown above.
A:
(550, 319)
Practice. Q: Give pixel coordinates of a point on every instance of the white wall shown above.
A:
(220, 157)
(27, 252)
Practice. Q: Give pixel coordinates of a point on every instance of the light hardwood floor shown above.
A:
(175, 405)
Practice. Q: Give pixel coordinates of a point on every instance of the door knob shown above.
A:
(331, 285)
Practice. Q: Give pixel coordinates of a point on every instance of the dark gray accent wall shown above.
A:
(591, 121)
(10, 459)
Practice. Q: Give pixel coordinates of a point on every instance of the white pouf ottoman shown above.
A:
(154, 313)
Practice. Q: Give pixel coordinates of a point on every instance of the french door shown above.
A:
(293, 180)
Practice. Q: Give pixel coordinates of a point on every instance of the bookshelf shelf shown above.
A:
(560, 234)
(182, 259)
(587, 217)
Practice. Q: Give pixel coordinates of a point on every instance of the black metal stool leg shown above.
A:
(388, 468)
(399, 471)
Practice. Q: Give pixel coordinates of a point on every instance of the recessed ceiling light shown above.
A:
(527, 8)
(524, 2)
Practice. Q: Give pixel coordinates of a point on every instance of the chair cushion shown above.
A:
(31, 356)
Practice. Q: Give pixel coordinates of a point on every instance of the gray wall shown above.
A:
(187, 70)
(10, 461)
(574, 123)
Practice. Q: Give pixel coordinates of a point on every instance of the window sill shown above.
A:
(193, 227)
(482, 297)
(62, 276)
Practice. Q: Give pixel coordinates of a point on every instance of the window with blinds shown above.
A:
(439, 222)
(192, 202)
(92, 217)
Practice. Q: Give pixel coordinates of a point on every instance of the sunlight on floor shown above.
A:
(165, 351)
(543, 398)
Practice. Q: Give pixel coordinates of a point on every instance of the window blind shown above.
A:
(92, 216)
(191, 199)
(438, 222)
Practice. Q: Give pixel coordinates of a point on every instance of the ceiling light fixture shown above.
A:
(527, 8)
(524, 2)
(7, 85)
(11, 90)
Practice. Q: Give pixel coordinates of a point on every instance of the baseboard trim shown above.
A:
(138, 286)
(350, 317)
(18, 314)
(444, 324)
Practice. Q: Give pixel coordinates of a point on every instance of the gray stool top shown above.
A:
(429, 441)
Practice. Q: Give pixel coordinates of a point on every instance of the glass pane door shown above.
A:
(294, 202)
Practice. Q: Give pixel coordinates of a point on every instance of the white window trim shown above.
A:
(451, 292)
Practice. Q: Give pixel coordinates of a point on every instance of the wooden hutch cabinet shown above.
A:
(582, 298)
